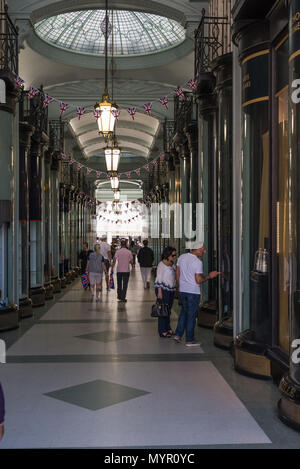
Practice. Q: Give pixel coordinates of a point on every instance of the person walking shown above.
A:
(124, 258)
(83, 256)
(165, 285)
(105, 250)
(189, 277)
(2, 413)
(133, 250)
(95, 268)
(146, 258)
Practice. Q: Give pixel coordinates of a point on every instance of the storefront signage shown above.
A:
(294, 29)
(255, 76)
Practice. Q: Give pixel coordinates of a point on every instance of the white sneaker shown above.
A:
(193, 344)
(177, 339)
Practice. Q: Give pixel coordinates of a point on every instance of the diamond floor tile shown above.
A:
(97, 394)
(106, 336)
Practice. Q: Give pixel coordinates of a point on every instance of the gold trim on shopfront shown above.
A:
(290, 409)
(294, 55)
(257, 54)
(283, 40)
(279, 93)
(252, 363)
(256, 100)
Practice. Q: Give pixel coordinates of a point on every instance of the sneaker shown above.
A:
(193, 344)
(177, 339)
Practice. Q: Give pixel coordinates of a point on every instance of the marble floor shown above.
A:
(81, 374)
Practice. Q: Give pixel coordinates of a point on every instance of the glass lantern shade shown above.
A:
(114, 182)
(106, 119)
(112, 159)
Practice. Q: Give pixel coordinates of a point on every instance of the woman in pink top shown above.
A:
(124, 258)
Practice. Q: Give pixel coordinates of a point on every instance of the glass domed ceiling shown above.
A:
(135, 33)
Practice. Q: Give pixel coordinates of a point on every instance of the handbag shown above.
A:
(160, 310)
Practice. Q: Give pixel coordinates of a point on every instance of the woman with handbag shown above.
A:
(165, 285)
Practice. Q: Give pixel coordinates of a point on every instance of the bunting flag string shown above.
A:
(33, 92)
(47, 101)
(80, 111)
(19, 81)
(97, 113)
(179, 93)
(148, 108)
(132, 111)
(192, 84)
(116, 113)
(164, 101)
(79, 166)
(63, 107)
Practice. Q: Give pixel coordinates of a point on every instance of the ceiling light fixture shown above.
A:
(106, 110)
(112, 158)
(114, 182)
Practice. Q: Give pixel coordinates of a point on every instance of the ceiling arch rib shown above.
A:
(93, 150)
(122, 127)
(130, 134)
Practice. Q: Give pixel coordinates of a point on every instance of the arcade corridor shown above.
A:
(92, 375)
(162, 123)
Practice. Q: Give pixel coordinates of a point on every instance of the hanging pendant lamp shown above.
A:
(106, 109)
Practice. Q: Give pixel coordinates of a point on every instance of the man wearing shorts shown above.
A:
(95, 268)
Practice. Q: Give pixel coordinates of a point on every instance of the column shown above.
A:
(223, 329)
(37, 290)
(252, 344)
(47, 225)
(67, 259)
(25, 302)
(9, 315)
(289, 404)
(207, 185)
(55, 279)
(185, 166)
(62, 235)
(191, 133)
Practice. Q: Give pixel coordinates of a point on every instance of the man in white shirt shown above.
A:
(189, 276)
(105, 251)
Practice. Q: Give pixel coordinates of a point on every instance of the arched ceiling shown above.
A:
(80, 80)
(130, 138)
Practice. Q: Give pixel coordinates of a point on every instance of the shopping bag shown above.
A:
(111, 282)
(85, 280)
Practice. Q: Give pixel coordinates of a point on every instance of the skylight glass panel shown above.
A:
(134, 32)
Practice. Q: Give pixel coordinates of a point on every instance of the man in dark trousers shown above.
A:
(146, 258)
(2, 413)
(124, 258)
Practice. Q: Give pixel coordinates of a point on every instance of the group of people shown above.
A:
(186, 275)
(100, 261)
